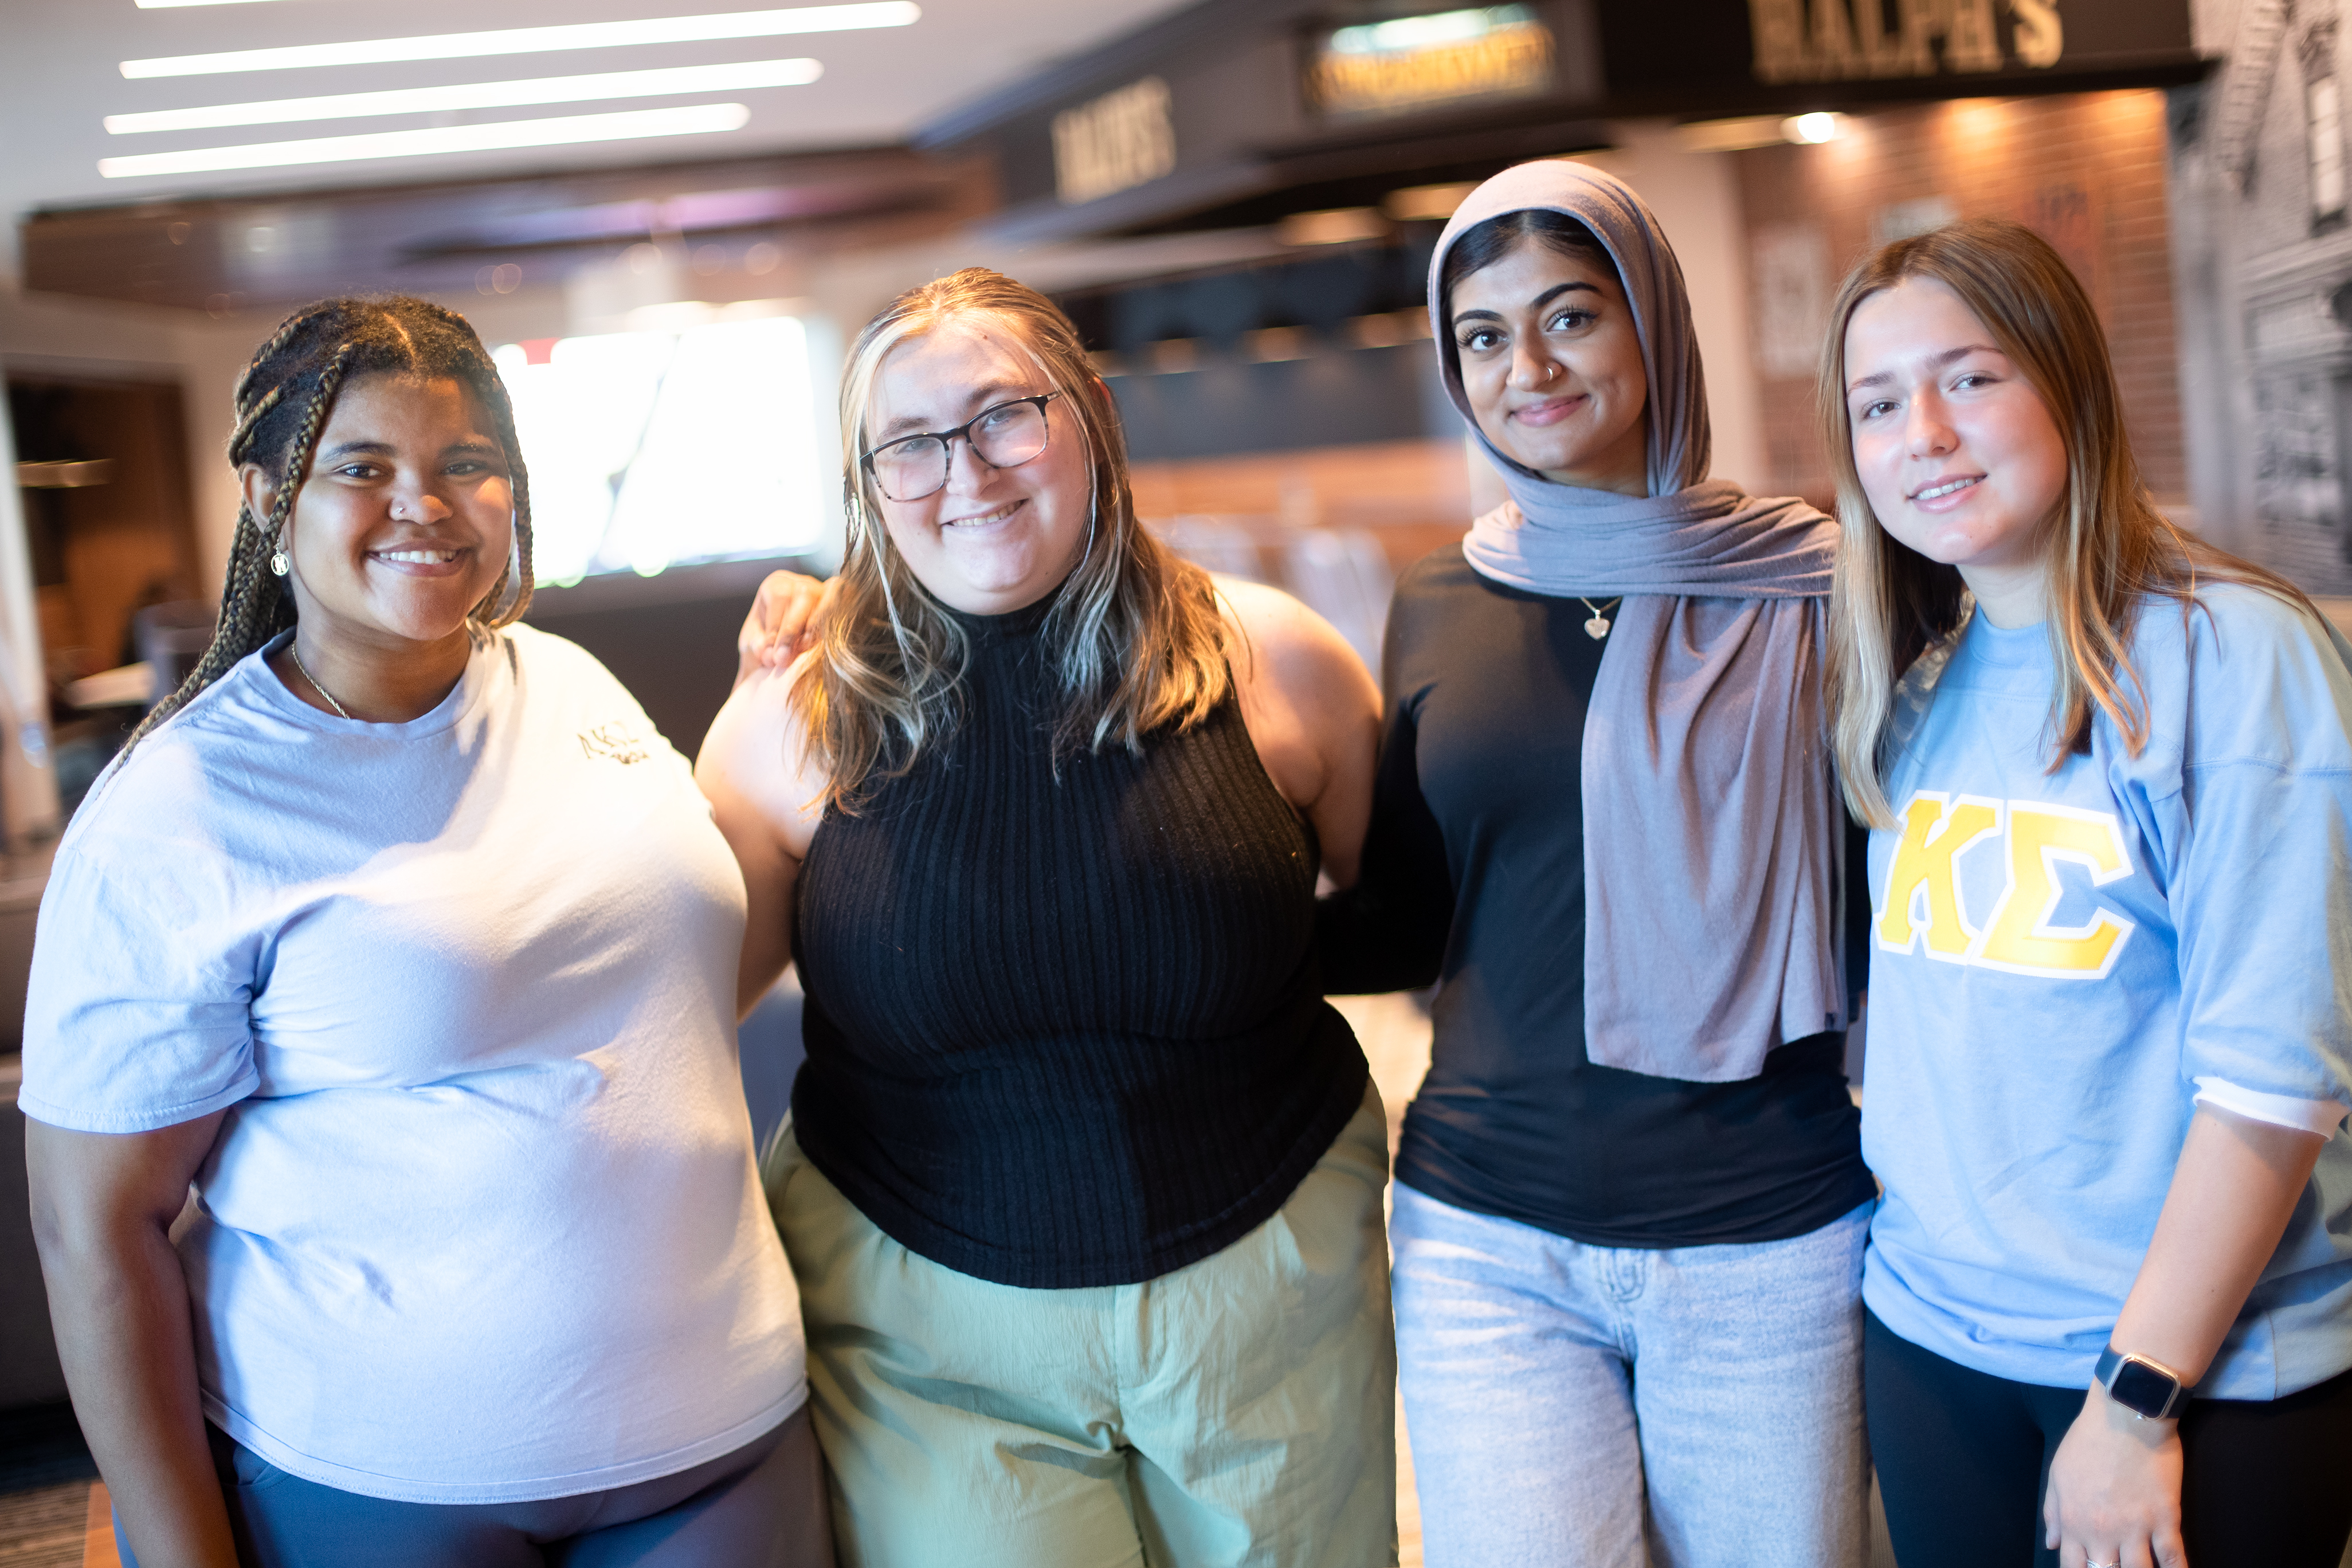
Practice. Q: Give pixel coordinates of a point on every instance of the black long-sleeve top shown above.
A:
(1474, 875)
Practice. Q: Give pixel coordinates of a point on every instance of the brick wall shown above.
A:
(2086, 171)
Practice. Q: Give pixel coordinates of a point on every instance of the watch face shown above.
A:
(2140, 1387)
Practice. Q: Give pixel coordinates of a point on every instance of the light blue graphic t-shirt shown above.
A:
(482, 1224)
(2064, 962)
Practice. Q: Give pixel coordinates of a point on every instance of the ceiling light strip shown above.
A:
(628, 125)
(476, 95)
(541, 40)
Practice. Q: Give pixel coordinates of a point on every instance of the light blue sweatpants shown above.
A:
(1574, 1406)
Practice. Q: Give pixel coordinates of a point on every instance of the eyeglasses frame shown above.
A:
(947, 439)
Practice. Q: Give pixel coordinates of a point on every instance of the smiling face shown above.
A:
(407, 518)
(992, 539)
(1552, 367)
(1958, 455)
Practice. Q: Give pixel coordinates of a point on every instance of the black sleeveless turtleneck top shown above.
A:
(1066, 1032)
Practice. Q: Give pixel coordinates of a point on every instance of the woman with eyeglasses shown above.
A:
(1083, 1178)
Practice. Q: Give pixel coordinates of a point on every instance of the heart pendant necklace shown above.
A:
(1597, 626)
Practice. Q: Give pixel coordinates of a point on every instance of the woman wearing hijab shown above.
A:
(1630, 1207)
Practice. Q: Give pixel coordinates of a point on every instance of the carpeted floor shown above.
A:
(48, 1527)
(45, 1485)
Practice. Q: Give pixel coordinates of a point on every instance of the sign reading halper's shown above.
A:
(1123, 139)
(1416, 62)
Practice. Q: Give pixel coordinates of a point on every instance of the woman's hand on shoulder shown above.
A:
(1313, 711)
(786, 615)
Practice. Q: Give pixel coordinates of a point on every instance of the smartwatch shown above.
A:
(2148, 1389)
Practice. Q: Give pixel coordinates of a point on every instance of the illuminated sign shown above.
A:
(1842, 40)
(1416, 62)
(1119, 141)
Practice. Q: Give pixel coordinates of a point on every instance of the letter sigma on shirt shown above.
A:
(1923, 906)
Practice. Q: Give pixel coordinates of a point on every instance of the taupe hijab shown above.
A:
(1710, 839)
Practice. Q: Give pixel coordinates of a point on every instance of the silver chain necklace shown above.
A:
(345, 713)
(1596, 628)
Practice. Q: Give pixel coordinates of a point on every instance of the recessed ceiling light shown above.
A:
(540, 40)
(1333, 225)
(476, 95)
(1736, 136)
(628, 125)
(1433, 203)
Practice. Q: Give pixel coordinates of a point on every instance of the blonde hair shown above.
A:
(2107, 548)
(1135, 636)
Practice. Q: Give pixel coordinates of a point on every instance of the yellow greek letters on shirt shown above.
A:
(2019, 936)
(1935, 830)
(1923, 899)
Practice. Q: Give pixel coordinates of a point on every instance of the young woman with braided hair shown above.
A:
(400, 937)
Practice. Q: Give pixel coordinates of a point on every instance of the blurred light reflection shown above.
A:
(651, 449)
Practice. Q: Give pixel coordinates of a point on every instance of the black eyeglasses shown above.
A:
(1003, 435)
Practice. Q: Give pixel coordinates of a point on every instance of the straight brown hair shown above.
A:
(2108, 545)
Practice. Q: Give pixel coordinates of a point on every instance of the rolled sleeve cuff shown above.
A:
(2315, 1116)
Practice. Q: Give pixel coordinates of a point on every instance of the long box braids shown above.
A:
(283, 400)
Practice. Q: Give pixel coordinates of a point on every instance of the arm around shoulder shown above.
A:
(767, 794)
(1313, 711)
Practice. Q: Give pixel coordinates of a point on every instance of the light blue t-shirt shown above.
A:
(2064, 962)
(482, 1224)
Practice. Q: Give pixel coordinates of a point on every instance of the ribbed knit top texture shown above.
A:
(1069, 1032)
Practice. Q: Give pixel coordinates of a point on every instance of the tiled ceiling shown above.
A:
(60, 77)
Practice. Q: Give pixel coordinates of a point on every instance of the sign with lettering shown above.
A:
(1419, 62)
(1751, 54)
(1124, 139)
(1246, 99)
(1840, 40)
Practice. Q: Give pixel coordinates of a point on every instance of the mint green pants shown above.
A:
(1238, 1410)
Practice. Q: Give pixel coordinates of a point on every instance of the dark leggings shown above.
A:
(762, 1506)
(1962, 1457)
